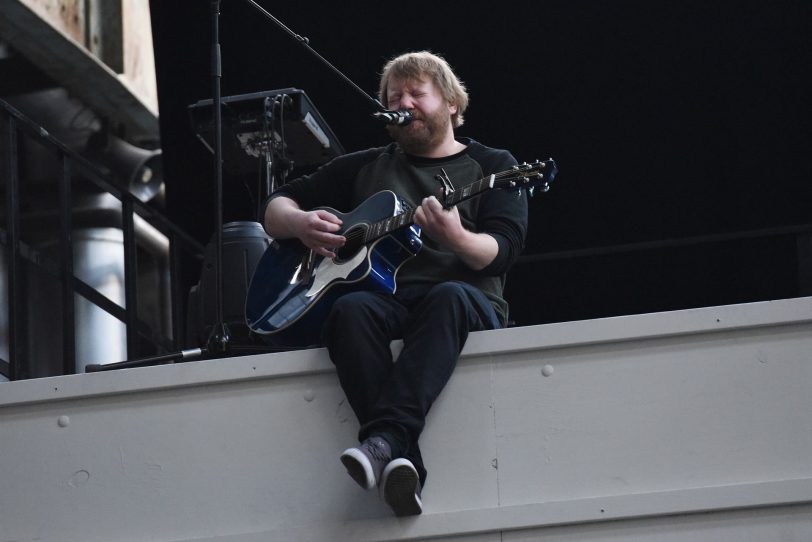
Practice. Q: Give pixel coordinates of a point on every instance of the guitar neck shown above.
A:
(406, 218)
(523, 176)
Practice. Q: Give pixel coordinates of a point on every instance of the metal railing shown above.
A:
(21, 256)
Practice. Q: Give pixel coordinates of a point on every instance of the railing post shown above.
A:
(178, 323)
(66, 268)
(130, 276)
(804, 244)
(18, 367)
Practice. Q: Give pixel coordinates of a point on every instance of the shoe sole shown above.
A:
(358, 467)
(400, 482)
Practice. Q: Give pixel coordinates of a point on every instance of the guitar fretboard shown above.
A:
(406, 218)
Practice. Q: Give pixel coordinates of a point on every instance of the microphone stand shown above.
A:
(219, 336)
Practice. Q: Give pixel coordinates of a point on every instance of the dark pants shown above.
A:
(392, 399)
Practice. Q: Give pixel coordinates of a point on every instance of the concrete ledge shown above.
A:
(692, 423)
(720, 319)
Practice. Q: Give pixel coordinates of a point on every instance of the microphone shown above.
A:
(401, 117)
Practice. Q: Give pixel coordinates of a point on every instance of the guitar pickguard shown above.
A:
(328, 271)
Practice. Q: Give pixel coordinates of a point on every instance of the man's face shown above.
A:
(431, 114)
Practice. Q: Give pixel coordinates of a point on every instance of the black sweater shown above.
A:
(347, 181)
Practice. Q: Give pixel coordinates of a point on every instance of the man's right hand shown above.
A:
(315, 229)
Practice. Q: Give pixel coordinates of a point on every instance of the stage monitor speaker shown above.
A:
(243, 246)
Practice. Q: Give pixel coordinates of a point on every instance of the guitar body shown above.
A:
(292, 291)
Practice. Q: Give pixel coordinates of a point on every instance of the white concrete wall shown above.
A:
(682, 426)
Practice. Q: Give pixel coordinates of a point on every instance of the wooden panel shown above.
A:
(121, 84)
(68, 16)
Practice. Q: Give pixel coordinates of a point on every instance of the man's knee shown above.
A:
(351, 310)
(463, 301)
(450, 292)
(351, 305)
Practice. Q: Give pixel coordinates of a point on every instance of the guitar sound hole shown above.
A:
(355, 242)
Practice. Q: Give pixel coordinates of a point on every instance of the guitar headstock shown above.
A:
(539, 175)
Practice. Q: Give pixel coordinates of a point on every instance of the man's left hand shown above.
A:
(442, 225)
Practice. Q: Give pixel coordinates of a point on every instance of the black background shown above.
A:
(681, 130)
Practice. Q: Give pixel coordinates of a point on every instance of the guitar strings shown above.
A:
(386, 225)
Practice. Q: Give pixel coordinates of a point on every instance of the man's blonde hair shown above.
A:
(422, 64)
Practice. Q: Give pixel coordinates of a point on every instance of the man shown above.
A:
(453, 285)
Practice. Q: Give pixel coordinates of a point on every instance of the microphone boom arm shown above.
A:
(305, 42)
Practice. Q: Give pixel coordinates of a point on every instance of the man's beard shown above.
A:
(422, 138)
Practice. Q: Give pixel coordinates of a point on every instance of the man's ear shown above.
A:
(452, 108)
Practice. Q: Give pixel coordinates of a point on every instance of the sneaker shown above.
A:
(365, 462)
(400, 488)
